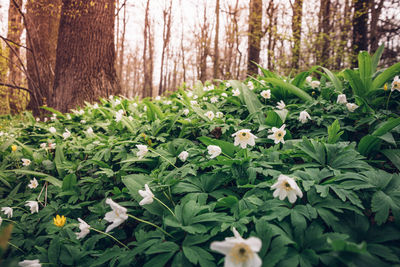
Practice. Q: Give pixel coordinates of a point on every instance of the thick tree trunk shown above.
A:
(254, 36)
(324, 31)
(216, 40)
(85, 60)
(296, 29)
(360, 28)
(15, 28)
(43, 17)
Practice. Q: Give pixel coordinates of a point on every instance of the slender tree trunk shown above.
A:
(323, 54)
(254, 36)
(344, 35)
(296, 29)
(4, 91)
(147, 55)
(166, 37)
(360, 28)
(122, 47)
(85, 62)
(15, 28)
(43, 17)
(216, 40)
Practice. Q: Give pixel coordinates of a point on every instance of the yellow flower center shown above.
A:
(241, 253)
(287, 185)
(396, 85)
(59, 221)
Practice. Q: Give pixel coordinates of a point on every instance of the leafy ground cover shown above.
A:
(278, 171)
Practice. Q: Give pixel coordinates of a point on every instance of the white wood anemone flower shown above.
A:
(250, 85)
(281, 105)
(286, 187)
(315, 84)
(84, 227)
(33, 183)
(30, 263)
(341, 99)
(66, 134)
(117, 216)
(183, 155)
(396, 84)
(219, 115)
(239, 252)
(244, 137)
(277, 134)
(304, 116)
(266, 94)
(236, 92)
(210, 115)
(147, 195)
(351, 107)
(26, 162)
(214, 151)
(33, 205)
(52, 130)
(142, 151)
(7, 211)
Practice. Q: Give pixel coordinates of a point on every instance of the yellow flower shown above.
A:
(385, 87)
(13, 148)
(59, 221)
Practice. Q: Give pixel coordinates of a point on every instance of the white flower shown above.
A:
(309, 79)
(89, 131)
(183, 155)
(315, 84)
(236, 92)
(185, 111)
(277, 134)
(26, 162)
(219, 114)
(43, 145)
(7, 211)
(239, 252)
(130, 118)
(244, 137)
(205, 98)
(30, 263)
(81, 112)
(193, 102)
(195, 96)
(210, 115)
(169, 102)
(52, 146)
(83, 121)
(84, 227)
(142, 151)
(135, 105)
(96, 106)
(266, 94)
(52, 130)
(116, 102)
(45, 120)
(158, 97)
(66, 134)
(111, 97)
(1, 220)
(304, 116)
(189, 94)
(396, 84)
(68, 117)
(286, 187)
(37, 119)
(341, 99)
(33, 205)
(351, 107)
(147, 196)
(228, 85)
(117, 216)
(224, 95)
(214, 99)
(250, 85)
(281, 105)
(33, 183)
(118, 115)
(214, 151)
(263, 82)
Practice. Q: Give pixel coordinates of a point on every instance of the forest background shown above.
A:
(148, 47)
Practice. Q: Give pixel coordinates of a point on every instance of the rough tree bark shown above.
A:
(254, 36)
(85, 59)
(4, 103)
(323, 53)
(216, 40)
(167, 12)
(297, 8)
(147, 55)
(42, 21)
(360, 28)
(15, 28)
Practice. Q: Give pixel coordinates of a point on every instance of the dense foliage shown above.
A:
(339, 161)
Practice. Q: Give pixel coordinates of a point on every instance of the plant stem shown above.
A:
(152, 150)
(11, 244)
(149, 223)
(162, 203)
(104, 233)
(226, 155)
(387, 102)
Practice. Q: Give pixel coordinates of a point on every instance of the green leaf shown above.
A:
(386, 127)
(376, 57)
(226, 147)
(364, 66)
(69, 182)
(44, 176)
(159, 260)
(273, 119)
(393, 155)
(155, 111)
(355, 82)
(381, 203)
(162, 247)
(333, 132)
(335, 80)
(290, 88)
(385, 76)
(54, 250)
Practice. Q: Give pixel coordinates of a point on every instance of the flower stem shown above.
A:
(104, 233)
(152, 150)
(226, 155)
(11, 244)
(387, 102)
(149, 223)
(162, 203)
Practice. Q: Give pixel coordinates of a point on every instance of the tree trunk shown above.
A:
(147, 55)
(216, 40)
(360, 28)
(15, 28)
(296, 29)
(323, 51)
(344, 35)
(374, 32)
(4, 91)
(85, 60)
(43, 17)
(254, 36)
(167, 12)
